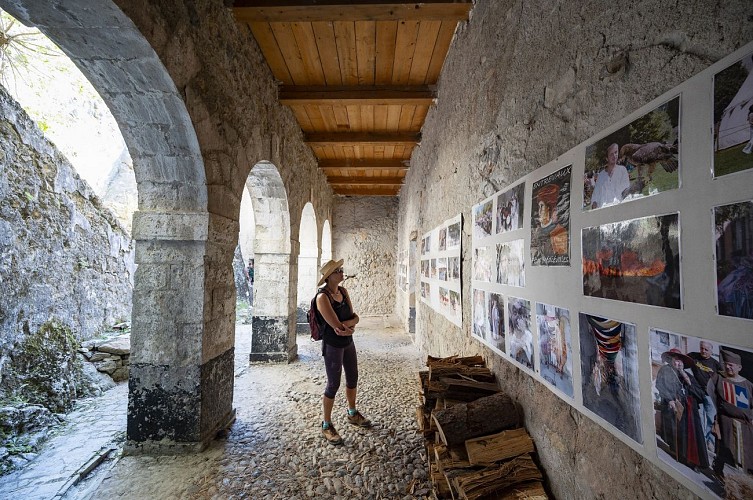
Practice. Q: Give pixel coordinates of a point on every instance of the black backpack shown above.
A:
(316, 322)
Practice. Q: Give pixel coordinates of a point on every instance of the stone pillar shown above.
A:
(181, 374)
(273, 319)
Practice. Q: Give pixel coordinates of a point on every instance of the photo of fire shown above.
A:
(636, 260)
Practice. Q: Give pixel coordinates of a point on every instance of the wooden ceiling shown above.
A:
(359, 76)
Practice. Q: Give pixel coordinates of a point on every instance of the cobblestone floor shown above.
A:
(274, 448)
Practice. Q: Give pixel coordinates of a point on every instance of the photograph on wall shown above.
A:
(702, 394)
(453, 268)
(433, 271)
(443, 239)
(482, 264)
(442, 268)
(733, 118)
(636, 260)
(550, 219)
(479, 327)
(424, 290)
(444, 300)
(496, 309)
(640, 159)
(511, 267)
(555, 356)
(456, 306)
(733, 228)
(521, 336)
(482, 220)
(510, 209)
(453, 236)
(609, 372)
(425, 268)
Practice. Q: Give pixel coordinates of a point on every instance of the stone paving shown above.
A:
(274, 449)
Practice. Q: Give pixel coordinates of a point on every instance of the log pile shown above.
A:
(475, 442)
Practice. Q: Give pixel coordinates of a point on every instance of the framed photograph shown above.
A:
(510, 209)
(640, 159)
(609, 372)
(636, 260)
(733, 118)
(521, 336)
(555, 354)
(733, 228)
(550, 219)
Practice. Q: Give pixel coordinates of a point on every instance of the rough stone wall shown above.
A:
(364, 233)
(62, 254)
(523, 83)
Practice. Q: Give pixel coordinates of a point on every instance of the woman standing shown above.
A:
(334, 306)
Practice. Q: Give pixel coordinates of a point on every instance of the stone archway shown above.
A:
(181, 378)
(308, 264)
(326, 243)
(272, 320)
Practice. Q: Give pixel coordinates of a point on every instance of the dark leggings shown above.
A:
(335, 359)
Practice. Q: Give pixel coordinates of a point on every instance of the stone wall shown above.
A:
(364, 233)
(523, 83)
(63, 255)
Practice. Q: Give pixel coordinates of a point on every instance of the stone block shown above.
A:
(169, 251)
(185, 226)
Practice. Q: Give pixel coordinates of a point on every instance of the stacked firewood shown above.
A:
(476, 445)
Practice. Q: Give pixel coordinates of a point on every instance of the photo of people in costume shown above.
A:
(733, 118)
(640, 159)
(480, 318)
(442, 239)
(703, 415)
(496, 309)
(456, 306)
(453, 236)
(510, 209)
(636, 260)
(482, 220)
(609, 371)
(733, 225)
(521, 336)
(511, 267)
(453, 269)
(482, 264)
(442, 269)
(550, 219)
(555, 355)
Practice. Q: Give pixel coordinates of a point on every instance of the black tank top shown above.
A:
(343, 312)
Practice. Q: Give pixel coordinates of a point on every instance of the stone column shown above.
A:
(273, 319)
(181, 376)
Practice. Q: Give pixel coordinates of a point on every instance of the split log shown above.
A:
(506, 444)
(467, 390)
(468, 360)
(477, 484)
(533, 490)
(484, 416)
(423, 422)
(480, 373)
(450, 458)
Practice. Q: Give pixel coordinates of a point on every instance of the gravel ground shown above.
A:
(275, 448)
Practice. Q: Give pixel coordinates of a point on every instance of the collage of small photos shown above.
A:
(521, 249)
(440, 270)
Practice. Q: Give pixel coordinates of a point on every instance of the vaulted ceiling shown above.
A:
(359, 76)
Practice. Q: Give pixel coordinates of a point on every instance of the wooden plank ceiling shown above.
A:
(359, 76)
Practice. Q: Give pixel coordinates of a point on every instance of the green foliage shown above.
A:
(653, 127)
(731, 160)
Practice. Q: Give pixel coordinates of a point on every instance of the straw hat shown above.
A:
(328, 269)
(687, 361)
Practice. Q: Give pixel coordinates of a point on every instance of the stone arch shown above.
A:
(308, 263)
(272, 321)
(326, 243)
(181, 382)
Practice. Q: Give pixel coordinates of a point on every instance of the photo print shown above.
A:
(640, 159)
(511, 267)
(609, 368)
(482, 264)
(482, 220)
(433, 268)
(453, 236)
(442, 268)
(443, 239)
(496, 308)
(733, 228)
(733, 118)
(550, 219)
(702, 394)
(456, 306)
(425, 290)
(636, 260)
(555, 355)
(444, 301)
(521, 336)
(480, 321)
(425, 268)
(427, 240)
(453, 269)
(510, 209)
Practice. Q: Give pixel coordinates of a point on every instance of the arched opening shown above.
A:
(326, 243)
(308, 259)
(272, 321)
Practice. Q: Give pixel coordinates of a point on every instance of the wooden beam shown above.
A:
(396, 165)
(361, 138)
(365, 181)
(367, 191)
(271, 11)
(419, 95)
